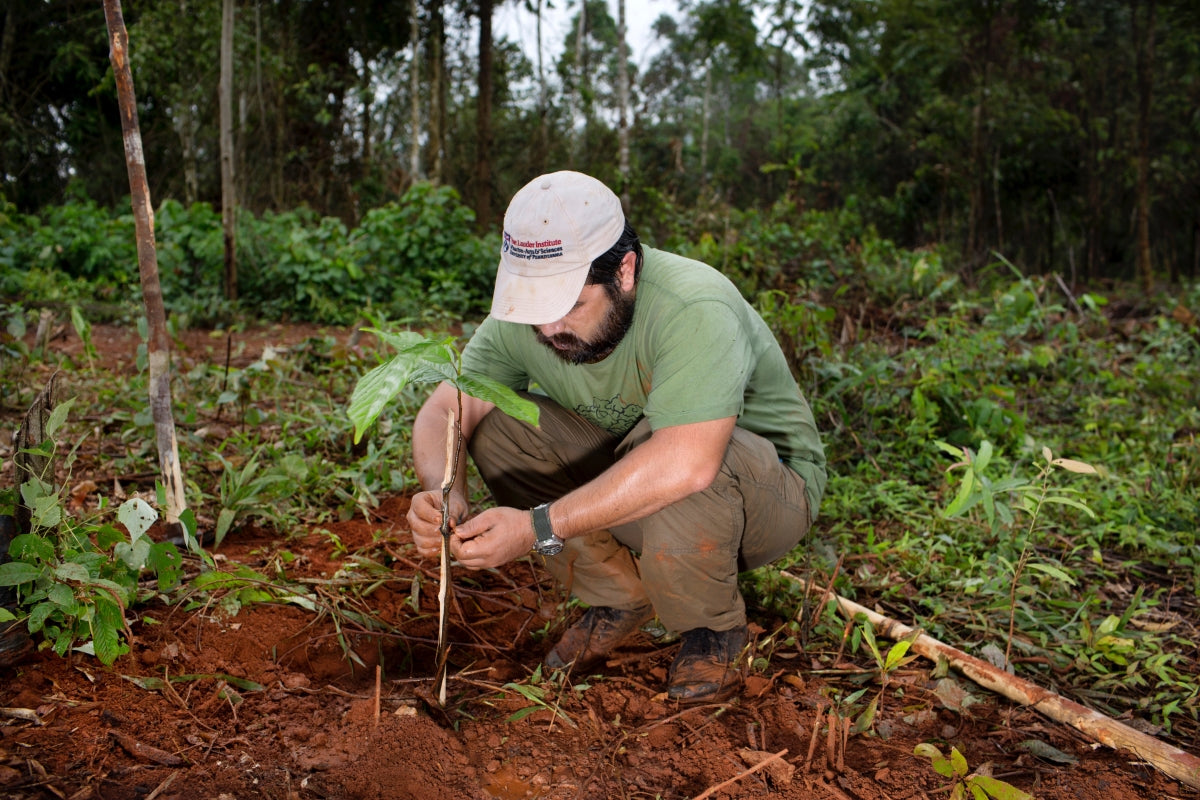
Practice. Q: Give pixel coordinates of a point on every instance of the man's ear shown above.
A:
(625, 274)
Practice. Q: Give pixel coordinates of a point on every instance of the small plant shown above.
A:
(540, 696)
(244, 492)
(421, 360)
(979, 787)
(896, 657)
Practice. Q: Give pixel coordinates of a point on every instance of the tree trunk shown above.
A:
(483, 121)
(437, 95)
(1144, 44)
(623, 104)
(543, 135)
(228, 199)
(578, 140)
(705, 112)
(159, 352)
(414, 88)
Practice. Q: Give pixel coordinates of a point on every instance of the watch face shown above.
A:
(551, 547)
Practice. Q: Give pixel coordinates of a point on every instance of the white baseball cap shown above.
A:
(554, 228)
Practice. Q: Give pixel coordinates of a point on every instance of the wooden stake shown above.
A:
(1172, 761)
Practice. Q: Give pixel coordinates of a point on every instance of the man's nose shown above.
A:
(552, 328)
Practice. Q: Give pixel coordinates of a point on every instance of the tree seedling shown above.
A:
(978, 787)
(422, 360)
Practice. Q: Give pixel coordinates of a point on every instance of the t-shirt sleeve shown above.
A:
(704, 358)
(488, 354)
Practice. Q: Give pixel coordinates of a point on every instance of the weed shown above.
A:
(975, 785)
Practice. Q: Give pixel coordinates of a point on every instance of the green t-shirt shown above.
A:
(696, 351)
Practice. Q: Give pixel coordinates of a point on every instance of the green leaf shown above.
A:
(501, 396)
(58, 415)
(15, 573)
(896, 655)
(62, 596)
(70, 571)
(959, 504)
(983, 458)
(137, 516)
(375, 390)
(1054, 571)
(959, 762)
(998, 788)
(106, 631)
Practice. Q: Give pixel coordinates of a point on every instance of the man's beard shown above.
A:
(612, 330)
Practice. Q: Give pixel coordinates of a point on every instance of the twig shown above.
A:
(162, 787)
(1172, 761)
(709, 792)
(378, 681)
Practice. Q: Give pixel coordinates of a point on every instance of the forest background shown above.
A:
(973, 226)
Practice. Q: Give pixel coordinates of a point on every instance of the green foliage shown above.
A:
(421, 360)
(976, 786)
(415, 258)
(75, 580)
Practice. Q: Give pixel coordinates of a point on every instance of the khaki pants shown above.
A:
(690, 552)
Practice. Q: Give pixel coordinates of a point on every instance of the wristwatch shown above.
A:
(545, 542)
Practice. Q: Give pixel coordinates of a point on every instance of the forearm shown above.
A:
(668, 467)
(429, 436)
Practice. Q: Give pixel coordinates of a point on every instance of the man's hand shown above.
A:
(492, 538)
(425, 519)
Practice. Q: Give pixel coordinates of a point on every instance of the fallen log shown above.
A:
(1176, 763)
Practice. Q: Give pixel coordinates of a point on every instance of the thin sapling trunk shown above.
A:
(444, 589)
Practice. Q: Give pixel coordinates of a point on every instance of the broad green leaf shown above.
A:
(58, 415)
(70, 571)
(501, 396)
(959, 762)
(62, 596)
(133, 555)
(31, 547)
(375, 390)
(106, 631)
(998, 788)
(15, 573)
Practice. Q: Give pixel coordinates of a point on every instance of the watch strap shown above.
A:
(543, 531)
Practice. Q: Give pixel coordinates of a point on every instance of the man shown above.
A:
(674, 449)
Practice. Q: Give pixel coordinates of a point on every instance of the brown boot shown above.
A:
(706, 668)
(594, 636)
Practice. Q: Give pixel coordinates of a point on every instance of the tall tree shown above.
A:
(483, 120)
(1143, 34)
(623, 104)
(228, 188)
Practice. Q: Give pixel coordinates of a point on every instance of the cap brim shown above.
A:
(536, 300)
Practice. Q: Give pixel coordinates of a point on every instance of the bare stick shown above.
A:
(1172, 761)
(443, 645)
(710, 791)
